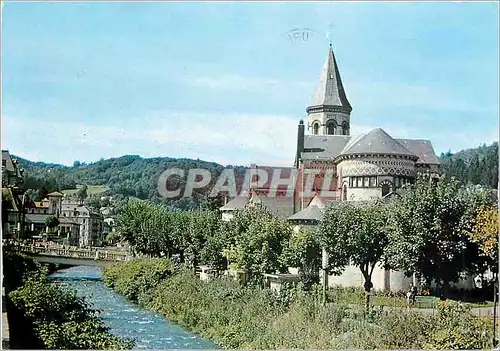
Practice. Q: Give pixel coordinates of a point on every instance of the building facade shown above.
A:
(12, 197)
(91, 222)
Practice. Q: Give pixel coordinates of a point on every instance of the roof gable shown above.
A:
(422, 148)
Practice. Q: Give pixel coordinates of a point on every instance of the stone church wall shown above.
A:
(367, 166)
(361, 194)
(382, 279)
(385, 280)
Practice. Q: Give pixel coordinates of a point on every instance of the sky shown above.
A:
(225, 82)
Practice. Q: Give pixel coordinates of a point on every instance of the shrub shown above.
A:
(457, 328)
(135, 279)
(57, 319)
(250, 317)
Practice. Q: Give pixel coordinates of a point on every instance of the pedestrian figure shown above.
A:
(411, 295)
(413, 289)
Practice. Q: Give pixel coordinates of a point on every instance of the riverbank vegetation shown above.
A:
(42, 316)
(435, 229)
(251, 317)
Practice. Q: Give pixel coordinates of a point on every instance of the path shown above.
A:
(478, 311)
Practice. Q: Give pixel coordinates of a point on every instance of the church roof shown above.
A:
(238, 203)
(281, 206)
(376, 142)
(329, 89)
(323, 146)
(422, 148)
(318, 201)
(308, 213)
(313, 211)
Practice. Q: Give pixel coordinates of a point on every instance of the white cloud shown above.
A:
(239, 82)
(234, 138)
(223, 138)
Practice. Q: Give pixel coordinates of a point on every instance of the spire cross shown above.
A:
(329, 33)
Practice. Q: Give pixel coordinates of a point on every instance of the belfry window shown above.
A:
(330, 127)
(315, 128)
(345, 128)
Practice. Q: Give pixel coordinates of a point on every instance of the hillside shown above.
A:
(475, 166)
(122, 177)
(134, 176)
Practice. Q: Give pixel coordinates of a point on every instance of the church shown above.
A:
(365, 167)
(362, 168)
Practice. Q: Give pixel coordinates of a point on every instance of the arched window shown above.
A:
(345, 128)
(386, 189)
(330, 127)
(315, 128)
(344, 193)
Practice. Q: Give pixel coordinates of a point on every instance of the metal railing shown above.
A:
(74, 252)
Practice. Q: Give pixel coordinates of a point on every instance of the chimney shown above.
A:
(300, 142)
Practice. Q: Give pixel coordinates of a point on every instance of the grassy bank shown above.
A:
(254, 318)
(351, 295)
(41, 316)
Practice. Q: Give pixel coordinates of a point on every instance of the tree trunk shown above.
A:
(368, 287)
(445, 290)
(367, 299)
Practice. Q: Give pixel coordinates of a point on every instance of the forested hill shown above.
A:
(126, 176)
(476, 166)
(135, 176)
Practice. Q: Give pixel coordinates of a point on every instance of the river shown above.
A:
(150, 330)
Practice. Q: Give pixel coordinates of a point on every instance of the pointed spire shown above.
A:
(329, 90)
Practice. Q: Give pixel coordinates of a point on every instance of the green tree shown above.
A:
(61, 320)
(81, 194)
(258, 242)
(485, 234)
(130, 223)
(355, 233)
(427, 230)
(304, 252)
(51, 222)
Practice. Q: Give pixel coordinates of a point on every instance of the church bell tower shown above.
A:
(329, 112)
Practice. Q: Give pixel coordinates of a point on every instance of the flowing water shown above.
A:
(150, 330)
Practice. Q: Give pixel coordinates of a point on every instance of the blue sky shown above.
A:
(223, 82)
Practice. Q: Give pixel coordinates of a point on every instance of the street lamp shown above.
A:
(324, 256)
(495, 289)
